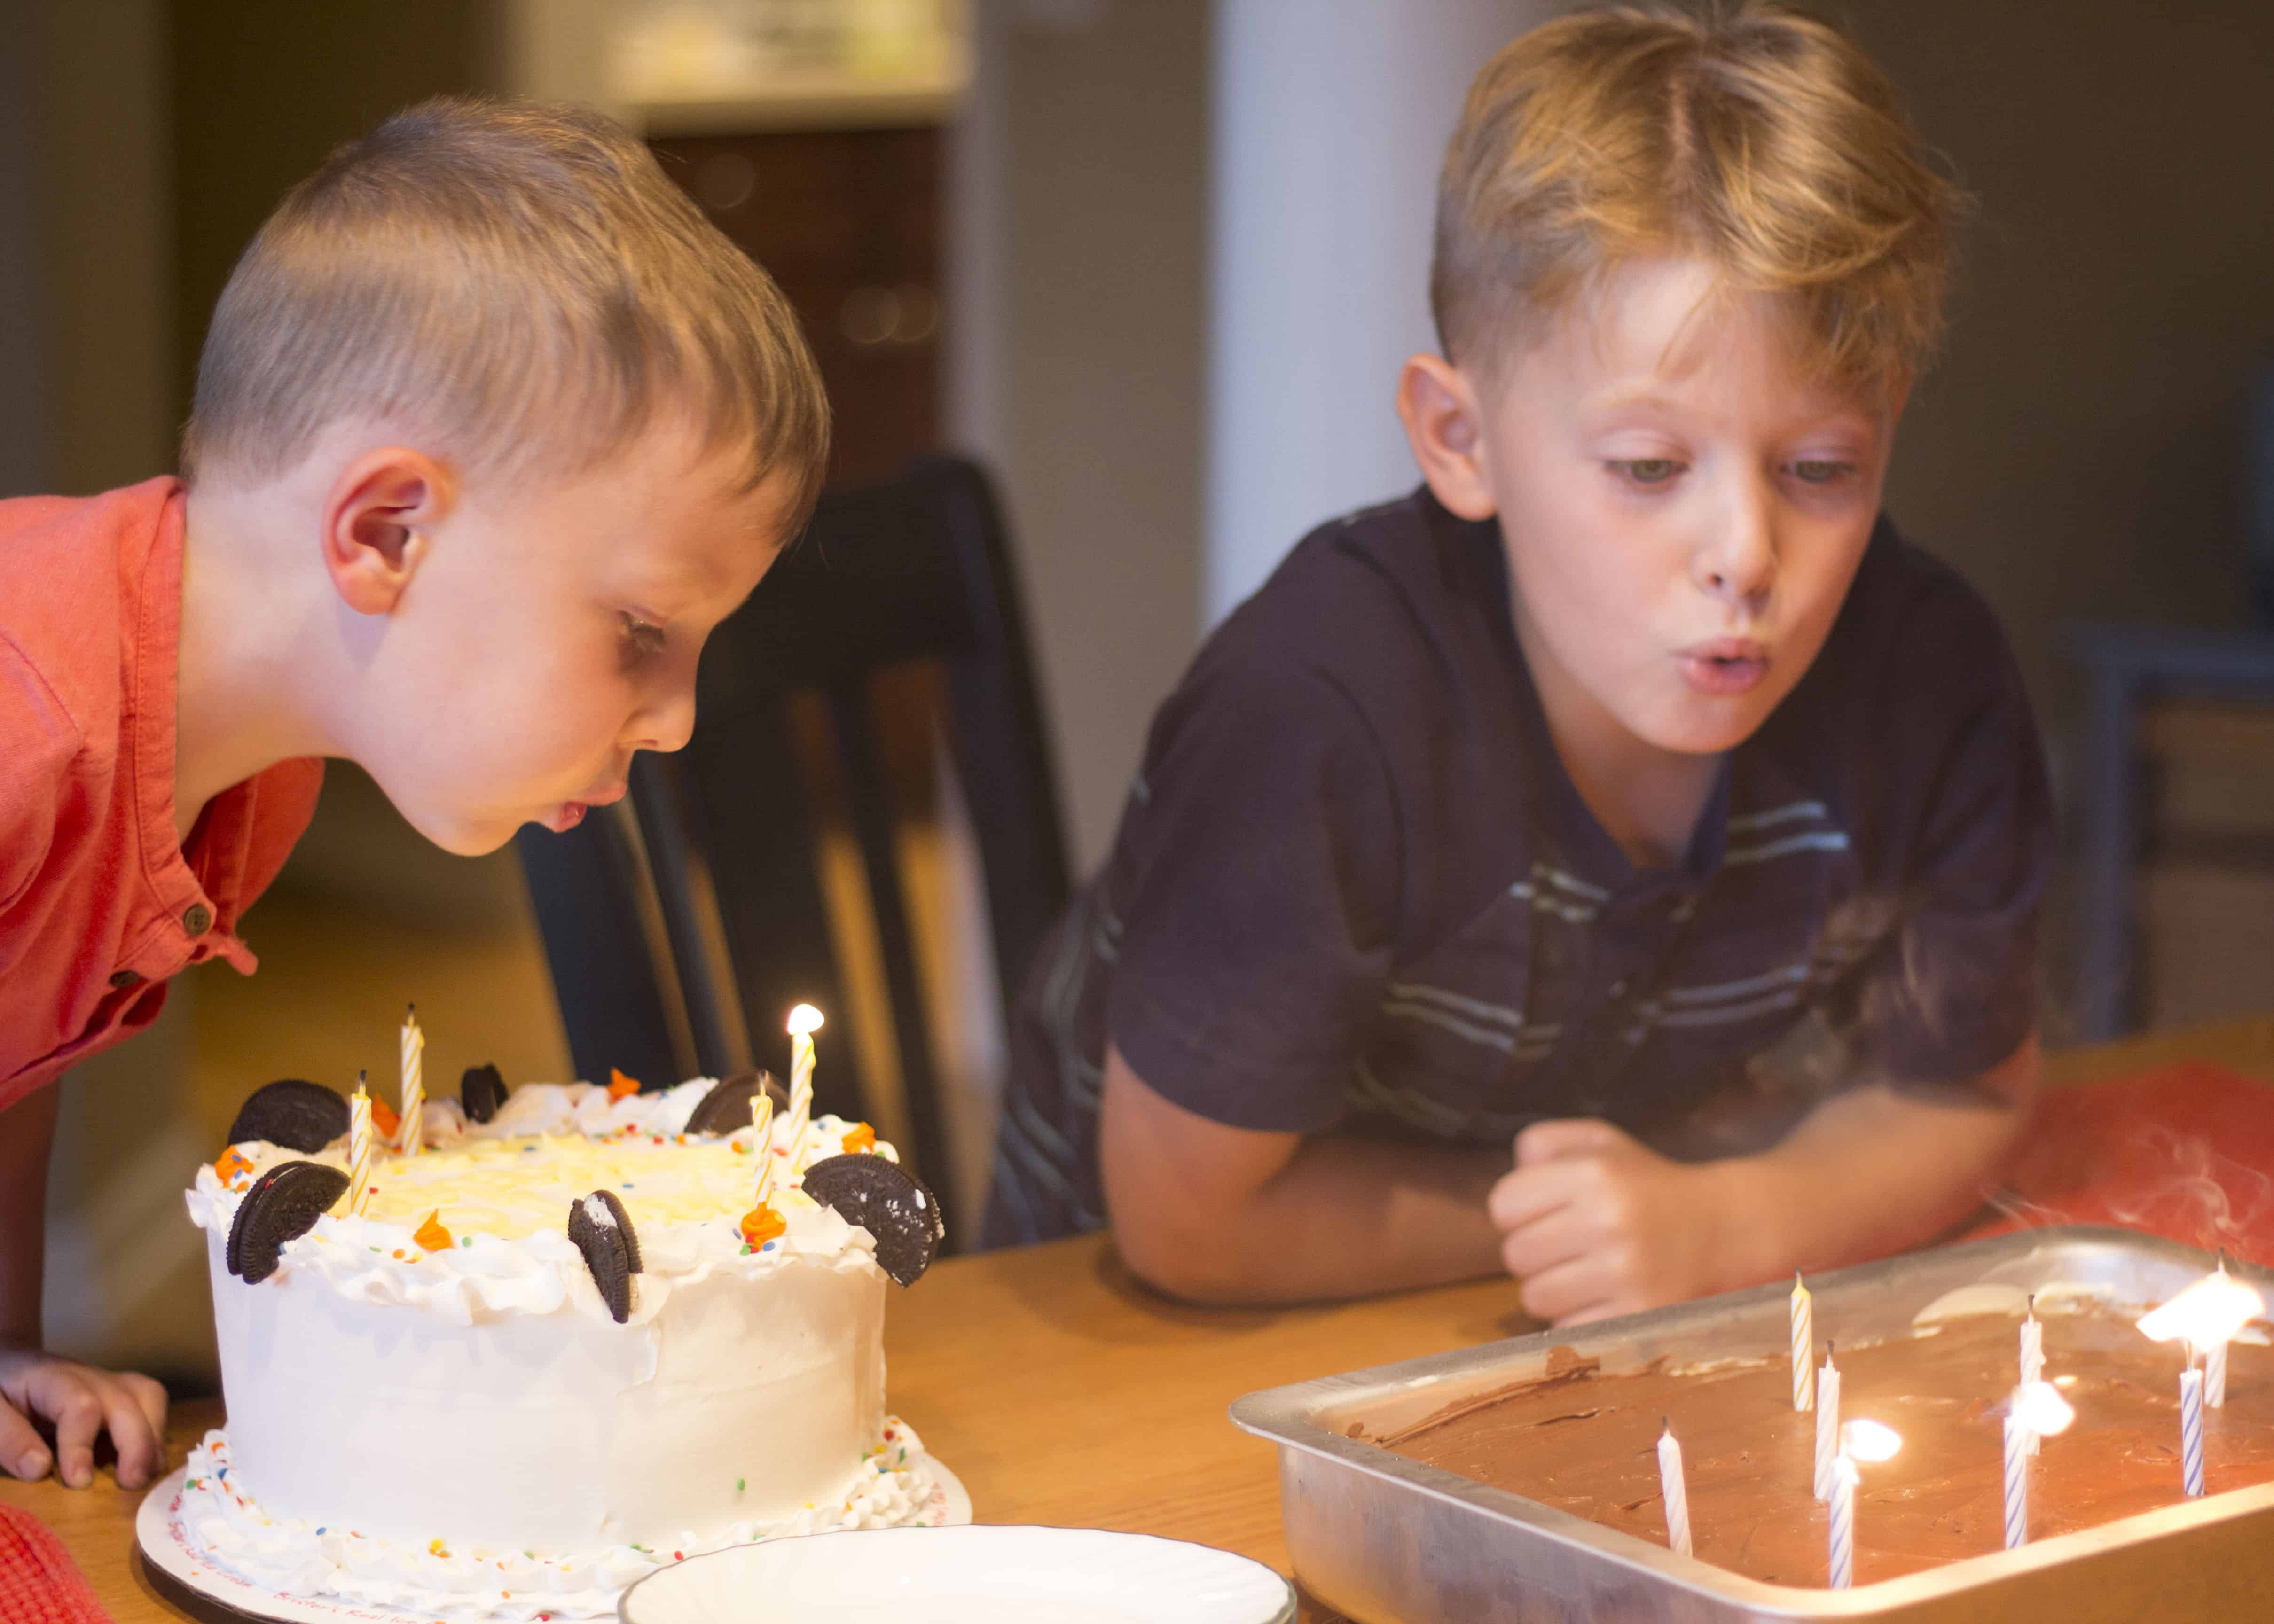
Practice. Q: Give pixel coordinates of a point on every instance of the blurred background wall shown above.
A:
(1179, 247)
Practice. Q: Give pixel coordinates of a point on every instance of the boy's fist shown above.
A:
(80, 1402)
(1596, 1223)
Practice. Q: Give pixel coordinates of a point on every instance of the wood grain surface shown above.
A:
(1061, 1391)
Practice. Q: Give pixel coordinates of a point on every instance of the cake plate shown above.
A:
(1388, 1540)
(166, 1546)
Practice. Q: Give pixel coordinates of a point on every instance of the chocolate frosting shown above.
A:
(1587, 1443)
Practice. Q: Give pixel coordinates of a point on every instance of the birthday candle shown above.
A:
(2018, 1438)
(1842, 1552)
(414, 1088)
(1675, 1491)
(358, 1148)
(1803, 1351)
(2215, 1376)
(2033, 1356)
(1827, 1423)
(2191, 1448)
(762, 1122)
(804, 1021)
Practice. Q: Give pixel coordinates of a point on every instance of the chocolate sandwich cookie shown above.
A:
(293, 1113)
(727, 1108)
(600, 1228)
(283, 1206)
(481, 1093)
(890, 1202)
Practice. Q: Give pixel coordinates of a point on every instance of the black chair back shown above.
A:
(702, 886)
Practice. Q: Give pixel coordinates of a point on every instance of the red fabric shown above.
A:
(97, 894)
(39, 1583)
(2186, 1153)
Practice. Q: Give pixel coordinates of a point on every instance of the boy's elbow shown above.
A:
(1184, 1267)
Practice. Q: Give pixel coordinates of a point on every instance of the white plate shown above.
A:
(166, 1546)
(965, 1575)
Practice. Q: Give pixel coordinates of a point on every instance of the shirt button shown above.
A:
(198, 919)
(124, 979)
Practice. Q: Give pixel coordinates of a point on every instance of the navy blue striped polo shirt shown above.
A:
(1354, 888)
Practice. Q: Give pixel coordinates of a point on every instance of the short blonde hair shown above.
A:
(1761, 140)
(520, 280)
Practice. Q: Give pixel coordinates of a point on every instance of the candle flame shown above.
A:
(804, 1019)
(2039, 1407)
(2206, 1313)
(1869, 1442)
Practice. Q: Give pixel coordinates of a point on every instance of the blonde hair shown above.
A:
(519, 280)
(1762, 140)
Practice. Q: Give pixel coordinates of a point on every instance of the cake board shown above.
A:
(166, 1546)
(1383, 1537)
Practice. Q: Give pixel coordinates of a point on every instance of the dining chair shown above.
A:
(701, 892)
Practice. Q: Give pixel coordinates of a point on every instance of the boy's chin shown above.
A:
(462, 835)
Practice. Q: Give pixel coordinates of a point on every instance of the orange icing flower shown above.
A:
(431, 1235)
(619, 1084)
(860, 1137)
(384, 1122)
(761, 1224)
(232, 1163)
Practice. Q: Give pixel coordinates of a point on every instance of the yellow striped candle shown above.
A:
(414, 1086)
(761, 1123)
(1803, 1346)
(358, 1148)
(804, 1021)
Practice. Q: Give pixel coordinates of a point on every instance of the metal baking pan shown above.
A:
(1388, 1540)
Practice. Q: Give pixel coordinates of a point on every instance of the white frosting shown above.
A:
(414, 1423)
(893, 1488)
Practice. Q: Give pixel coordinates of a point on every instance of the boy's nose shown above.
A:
(1738, 559)
(664, 725)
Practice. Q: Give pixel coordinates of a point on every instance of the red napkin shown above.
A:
(2186, 1152)
(39, 1583)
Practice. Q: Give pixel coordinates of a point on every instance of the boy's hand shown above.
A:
(80, 1402)
(1596, 1223)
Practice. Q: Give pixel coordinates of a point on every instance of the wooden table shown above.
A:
(1061, 1391)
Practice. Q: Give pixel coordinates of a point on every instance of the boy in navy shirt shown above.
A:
(1618, 861)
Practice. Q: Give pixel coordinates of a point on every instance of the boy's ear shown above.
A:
(1438, 404)
(373, 522)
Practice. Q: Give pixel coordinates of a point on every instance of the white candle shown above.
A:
(2191, 1442)
(1827, 1423)
(2215, 1376)
(2033, 1356)
(1842, 1552)
(762, 1123)
(1804, 1348)
(804, 1021)
(1675, 1491)
(2018, 1438)
(414, 1088)
(358, 1148)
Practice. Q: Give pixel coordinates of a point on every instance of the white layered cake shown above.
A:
(467, 1401)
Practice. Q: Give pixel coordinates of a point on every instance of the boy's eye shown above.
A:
(1647, 470)
(1821, 471)
(643, 638)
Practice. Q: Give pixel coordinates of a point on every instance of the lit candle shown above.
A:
(414, 1088)
(1843, 1522)
(1675, 1491)
(2191, 1454)
(358, 1148)
(2206, 1317)
(761, 1123)
(2033, 1355)
(2035, 1411)
(1803, 1352)
(804, 1021)
(1827, 1423)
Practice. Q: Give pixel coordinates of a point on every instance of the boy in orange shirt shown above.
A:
(492, 428)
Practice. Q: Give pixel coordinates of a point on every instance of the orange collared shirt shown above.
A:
(99, 901)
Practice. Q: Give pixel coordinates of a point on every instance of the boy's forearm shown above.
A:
(26, 1130)
(1869, 1172)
